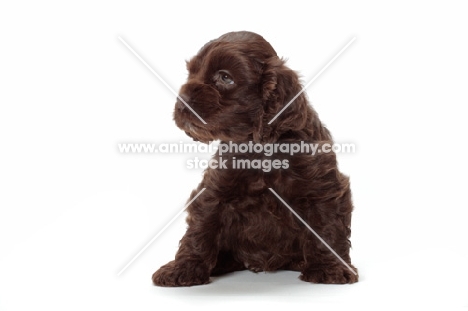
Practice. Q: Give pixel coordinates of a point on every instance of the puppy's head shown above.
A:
(236, 85)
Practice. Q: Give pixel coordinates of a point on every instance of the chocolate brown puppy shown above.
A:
(236, 85)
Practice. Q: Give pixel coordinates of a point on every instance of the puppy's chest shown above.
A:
(257, 219)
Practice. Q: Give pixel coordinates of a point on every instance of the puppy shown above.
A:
(236, 85)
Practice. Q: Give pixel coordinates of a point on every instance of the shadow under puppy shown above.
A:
(237, 84)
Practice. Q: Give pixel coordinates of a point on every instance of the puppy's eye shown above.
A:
(226, 78)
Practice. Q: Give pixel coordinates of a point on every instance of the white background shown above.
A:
(73, 211)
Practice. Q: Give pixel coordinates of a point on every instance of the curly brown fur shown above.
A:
(237, 223)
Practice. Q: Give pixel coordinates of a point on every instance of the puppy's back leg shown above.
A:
(321, 264)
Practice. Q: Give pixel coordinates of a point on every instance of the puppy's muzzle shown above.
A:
(202, 98)
(182, 102)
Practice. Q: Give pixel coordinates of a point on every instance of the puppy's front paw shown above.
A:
(336, 274)
(182, 273)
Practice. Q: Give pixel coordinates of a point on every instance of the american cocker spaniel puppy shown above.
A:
(237, 84)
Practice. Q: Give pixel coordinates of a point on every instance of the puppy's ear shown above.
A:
(279, 86)
(258, 119)
(269, 77)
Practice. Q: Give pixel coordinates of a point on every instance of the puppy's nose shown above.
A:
(182, 100)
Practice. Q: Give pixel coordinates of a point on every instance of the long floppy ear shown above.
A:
(259, 118)
(279, 86)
